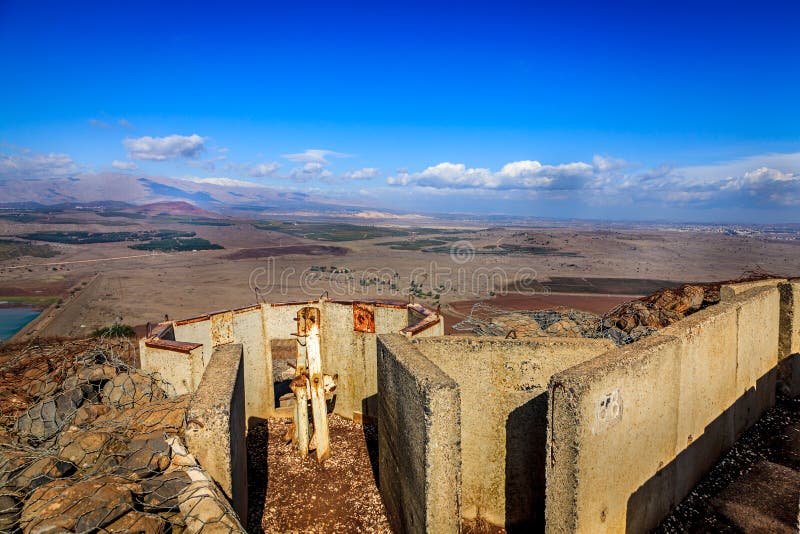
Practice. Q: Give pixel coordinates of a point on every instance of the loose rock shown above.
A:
(83, 506)
(86, 448)
(40, 472)
(138, 523)
(44, 419)
(10, 511)
(146, 457)
(132, 389)
(164, 492)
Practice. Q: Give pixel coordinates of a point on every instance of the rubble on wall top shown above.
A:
(623, 324)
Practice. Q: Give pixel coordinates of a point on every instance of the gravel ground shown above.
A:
(764, 441)
(290, 494)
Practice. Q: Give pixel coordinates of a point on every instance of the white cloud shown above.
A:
(770, 179)
(254, 170)
(261, 170)
(124, 165)
(35, 165)
(124, 123)
(366, 173)
(607, 163)
(524, 174)
(310, 171)
(165, 148)
(315, 156)
(226, 182)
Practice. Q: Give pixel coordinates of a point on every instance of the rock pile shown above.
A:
(90, 444)
(662, 308)
(624, 324)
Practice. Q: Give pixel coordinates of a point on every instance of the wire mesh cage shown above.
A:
(91, 443)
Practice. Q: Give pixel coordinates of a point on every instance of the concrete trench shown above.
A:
(546, 434)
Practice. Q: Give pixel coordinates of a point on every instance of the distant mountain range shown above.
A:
(214, 194)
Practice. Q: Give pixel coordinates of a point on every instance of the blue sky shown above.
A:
(638, 109)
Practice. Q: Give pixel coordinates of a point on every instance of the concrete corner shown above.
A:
(419, 423)
(216, 424)
(789, 341)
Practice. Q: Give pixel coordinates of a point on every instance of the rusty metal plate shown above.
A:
(364, 317)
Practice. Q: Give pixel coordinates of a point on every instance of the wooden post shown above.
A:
(318, 406)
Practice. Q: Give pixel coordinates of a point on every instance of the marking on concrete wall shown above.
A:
(516, 376)
(222, 328)
(608, 411)
(364, 317)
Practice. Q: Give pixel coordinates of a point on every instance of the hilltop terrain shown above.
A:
(106, 261)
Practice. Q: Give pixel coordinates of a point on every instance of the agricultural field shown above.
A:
(418, 244)
(85, 238)
(519, 268)
(331, 231)
(177, 244)
(10, 249)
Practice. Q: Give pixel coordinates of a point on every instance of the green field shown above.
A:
(31, 301)
(125, 214)
(177, 245)
(507, 248)
(345, 231)
(15, 249)
(417, 244)
(331, 231)
(193, 221)
(85, 238)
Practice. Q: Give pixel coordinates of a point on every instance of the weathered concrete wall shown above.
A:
(216, 424)
(418, 440)
(634, 429)
(352, 354)
(728, 291)
(349, 353)
(346, 351)
(503, 391)
(180, 364)
(196, 330)
(245, 326)
(249, 330)
(343, 353)
(789, 366)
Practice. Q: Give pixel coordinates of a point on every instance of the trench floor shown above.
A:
(754, 487)
(290, 494)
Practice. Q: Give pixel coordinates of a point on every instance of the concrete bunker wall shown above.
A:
(633, 430)
(789, 350)
(216, 426)
(244, 326)
(418, 440)
(180, 364)
(502, 386)
(182, 350)
(503, 391)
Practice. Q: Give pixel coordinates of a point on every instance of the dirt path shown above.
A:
(290, 494)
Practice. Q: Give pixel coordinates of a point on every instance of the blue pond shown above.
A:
(13, 319)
